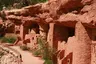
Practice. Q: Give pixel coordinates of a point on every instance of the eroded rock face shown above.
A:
(61, 11)
(76, 14)
(8, 57)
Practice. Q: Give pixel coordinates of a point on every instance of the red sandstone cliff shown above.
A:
(65, 12)
(61, 12)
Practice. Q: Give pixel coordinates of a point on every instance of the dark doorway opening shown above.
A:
(36, 27)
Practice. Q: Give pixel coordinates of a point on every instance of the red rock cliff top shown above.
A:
(64, 12)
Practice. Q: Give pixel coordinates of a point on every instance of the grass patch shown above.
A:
(8, 39)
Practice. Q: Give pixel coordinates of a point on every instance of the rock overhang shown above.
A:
(40, 13)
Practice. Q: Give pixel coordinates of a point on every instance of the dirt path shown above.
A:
(27, 57)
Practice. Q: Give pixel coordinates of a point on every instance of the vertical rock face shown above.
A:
(82, 51)
(59, 12)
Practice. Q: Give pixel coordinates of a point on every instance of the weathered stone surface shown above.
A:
(82, 52)
(9, 56)
(50, 34)
(53, 19)
(66, 12)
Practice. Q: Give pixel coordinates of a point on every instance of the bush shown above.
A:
(9, 3)
(37, 53)
(10, 39)
(44, 50)
(48, 61)
(24, 47)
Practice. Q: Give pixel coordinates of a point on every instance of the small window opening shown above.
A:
(17, 32)
(68, 61)
(32, 38)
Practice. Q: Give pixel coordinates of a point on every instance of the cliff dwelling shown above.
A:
(68, 26)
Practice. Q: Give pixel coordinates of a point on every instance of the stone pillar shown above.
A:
(43, 30)
(22, 32)
(82, 50)
(50, 34)
(50, 40)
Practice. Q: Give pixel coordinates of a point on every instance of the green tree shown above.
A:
(22, 3)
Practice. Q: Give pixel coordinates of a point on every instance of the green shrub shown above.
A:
(9, 39)
(9, 3)
(44, 50)
(37, 53)
(48, 61)
(24, 47)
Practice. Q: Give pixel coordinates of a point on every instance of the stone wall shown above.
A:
(82, 52)
(52, 17)
(31, 41)
(77, 50)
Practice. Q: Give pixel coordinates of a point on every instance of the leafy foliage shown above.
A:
(44, 50)
(21, 3)
(48, 61)
(10, 39)
(24, 47)
(37, 1)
